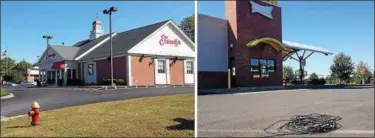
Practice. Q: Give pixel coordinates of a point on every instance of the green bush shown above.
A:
(294, 82)
(116, 81)
(322, 81)
(119, 82)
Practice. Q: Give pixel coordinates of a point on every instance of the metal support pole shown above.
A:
(110, 39)
(229, 78)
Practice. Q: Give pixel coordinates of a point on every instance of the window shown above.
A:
(189, 67)
(90, 69)
(263, 67)
(161, 66)
(254, 65)
(271, 65)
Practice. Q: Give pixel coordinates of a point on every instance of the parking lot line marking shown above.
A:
(262, 131)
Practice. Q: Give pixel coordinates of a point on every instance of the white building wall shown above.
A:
(152, 46)
(212, 44)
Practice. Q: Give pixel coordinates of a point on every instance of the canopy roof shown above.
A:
(298, 46)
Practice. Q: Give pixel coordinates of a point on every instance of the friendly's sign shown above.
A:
(164, 40)
(50, 55)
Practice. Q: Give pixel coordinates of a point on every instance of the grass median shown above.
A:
(166, 116)
(3, 93)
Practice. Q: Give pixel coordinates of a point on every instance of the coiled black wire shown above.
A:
(306, 124)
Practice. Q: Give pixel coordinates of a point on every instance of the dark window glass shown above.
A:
(254, 65)
(271, 65)
(189, 67)
(74, 73)
(91, 69)
(161, 66)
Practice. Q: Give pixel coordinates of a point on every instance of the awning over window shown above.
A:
(58, 65)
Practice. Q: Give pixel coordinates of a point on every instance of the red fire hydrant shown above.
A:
(34, 113)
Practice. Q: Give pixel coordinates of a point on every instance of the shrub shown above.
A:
(119, 82)
(322, 81)
(314, 82)
(116, 81)
(294, 82)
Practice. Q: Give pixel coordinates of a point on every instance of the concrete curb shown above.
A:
(13, 117)
(271, 88)
(10, 95)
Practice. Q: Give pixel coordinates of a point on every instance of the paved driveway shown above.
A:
(53, 98)
(247, 114)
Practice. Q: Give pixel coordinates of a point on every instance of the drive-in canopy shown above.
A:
(292, 48)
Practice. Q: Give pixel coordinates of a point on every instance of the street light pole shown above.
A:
(109, 11)
(48, 37)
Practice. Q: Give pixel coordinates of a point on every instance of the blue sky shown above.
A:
(345, 26)
(24, 23)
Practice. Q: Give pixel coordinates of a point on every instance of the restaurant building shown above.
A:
(156, 54)
(245, 49)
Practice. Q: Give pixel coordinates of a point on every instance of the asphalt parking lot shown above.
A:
(247, 114)
(54, 98)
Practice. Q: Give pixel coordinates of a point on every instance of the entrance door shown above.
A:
(90, 73)
(189, 72)
(161, 71)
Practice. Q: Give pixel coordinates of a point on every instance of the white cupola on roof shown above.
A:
(97, 30)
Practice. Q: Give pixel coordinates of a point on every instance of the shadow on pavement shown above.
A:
(184, 124)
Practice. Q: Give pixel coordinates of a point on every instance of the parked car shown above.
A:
(28, 84)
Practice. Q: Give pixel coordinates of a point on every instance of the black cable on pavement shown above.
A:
(306, 124)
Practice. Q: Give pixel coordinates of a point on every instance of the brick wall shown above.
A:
(103, 69)
(246, 26)
(176, 72)
(142, 71)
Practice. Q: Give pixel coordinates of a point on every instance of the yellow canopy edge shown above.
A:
(273, 42)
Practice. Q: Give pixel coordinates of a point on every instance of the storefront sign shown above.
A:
(164, 40)
(264, 10)
(50, 55)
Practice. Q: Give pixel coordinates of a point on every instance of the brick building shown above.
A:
(156, 54)
(245, 49)
(249, 42)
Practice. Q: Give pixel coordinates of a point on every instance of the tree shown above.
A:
(288, 74)
(6, 63)
(313, 76)
(342, 67)
(366, 76)
(22, 67)
(14, 76)
(332, 80)
(187, 26)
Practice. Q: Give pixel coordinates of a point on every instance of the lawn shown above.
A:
(3, 93)
(167, 116)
